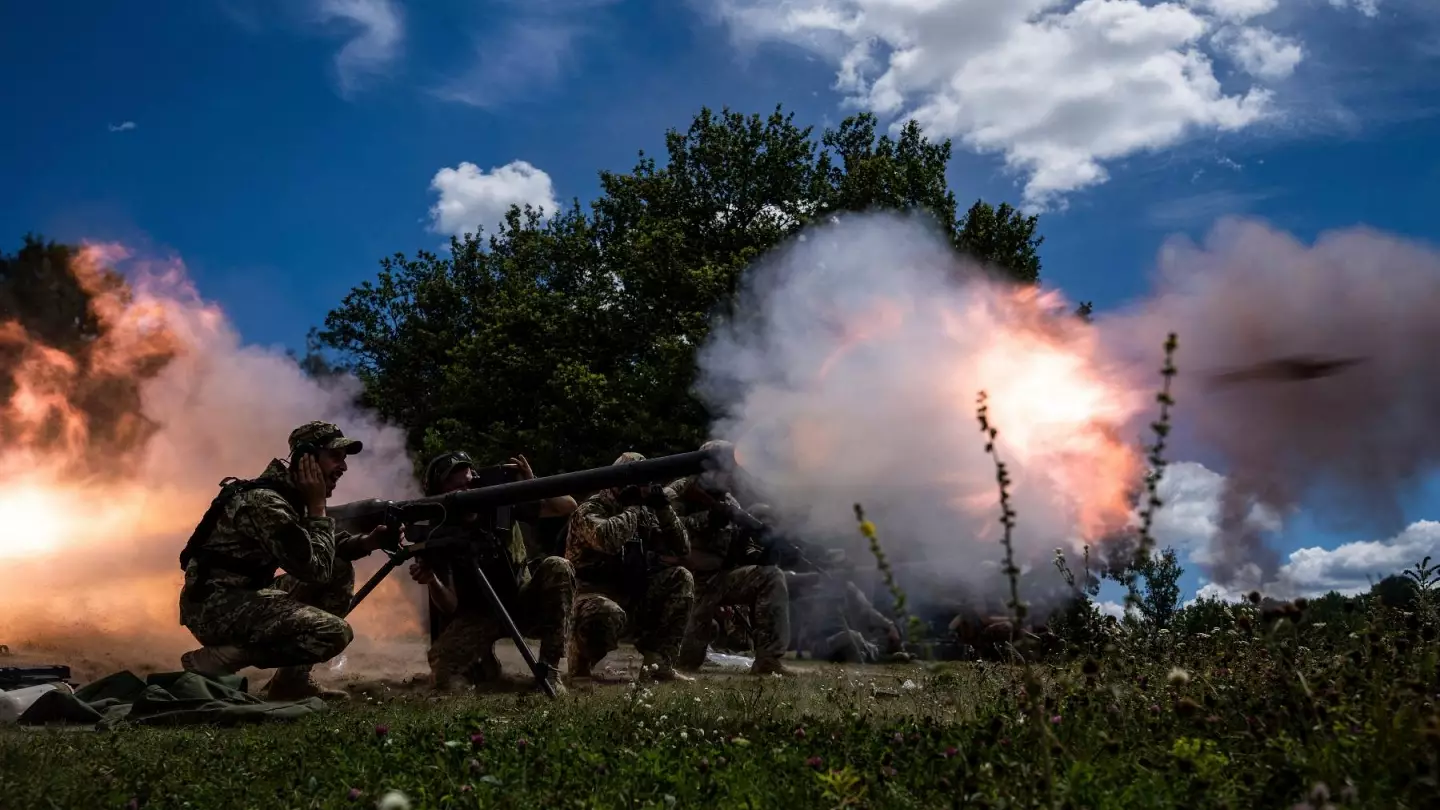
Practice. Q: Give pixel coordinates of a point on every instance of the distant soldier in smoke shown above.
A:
(831, 617)
(232, 601)
(543, 592)
(616, 541)
(724, 562)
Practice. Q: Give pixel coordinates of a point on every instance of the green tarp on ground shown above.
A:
(163, 699)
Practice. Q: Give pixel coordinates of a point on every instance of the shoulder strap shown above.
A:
(231, 488)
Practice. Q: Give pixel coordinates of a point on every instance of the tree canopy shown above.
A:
(570, 335)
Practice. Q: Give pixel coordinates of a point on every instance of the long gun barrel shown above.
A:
(362, 516)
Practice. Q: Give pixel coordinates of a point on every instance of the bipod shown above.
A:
(402, 554)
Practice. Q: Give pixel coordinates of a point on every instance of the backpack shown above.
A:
(231, 488)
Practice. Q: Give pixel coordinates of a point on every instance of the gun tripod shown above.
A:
(399, 556)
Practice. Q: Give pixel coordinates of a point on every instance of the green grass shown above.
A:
(1257, 719)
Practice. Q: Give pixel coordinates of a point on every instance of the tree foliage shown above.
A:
(570, 335)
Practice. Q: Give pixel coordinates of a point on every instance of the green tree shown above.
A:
(572, 337)
(1160, 600)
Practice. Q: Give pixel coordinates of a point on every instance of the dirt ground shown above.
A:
(368, 667)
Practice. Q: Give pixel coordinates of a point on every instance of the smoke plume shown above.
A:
(96, 502)
(1350, 444)
(849, 372)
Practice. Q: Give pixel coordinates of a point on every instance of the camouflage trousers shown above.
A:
(542, 612)
(291, 623)
(842, 625)
(658, 625)
(761, 588)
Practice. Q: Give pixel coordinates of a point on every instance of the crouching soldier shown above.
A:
(232, 601)
(615, 540)
(539, 597)
(723, 562)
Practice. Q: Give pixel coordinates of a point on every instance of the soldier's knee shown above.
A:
(555, 569)
(331, 638)
(678, 580)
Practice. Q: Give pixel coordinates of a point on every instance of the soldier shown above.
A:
(722, 562)
(543, 590)
(843, 626)
(231, 600)
(617, 538)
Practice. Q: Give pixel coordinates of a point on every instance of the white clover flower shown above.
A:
(394, 800)
(684, 737)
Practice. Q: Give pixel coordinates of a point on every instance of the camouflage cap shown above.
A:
(628, 458)
(325, 436)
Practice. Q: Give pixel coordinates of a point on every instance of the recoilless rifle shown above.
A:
(490, 504)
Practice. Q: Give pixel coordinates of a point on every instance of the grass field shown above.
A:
(1262, 715)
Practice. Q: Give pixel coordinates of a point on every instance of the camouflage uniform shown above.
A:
(761, 588)
(605, 609)
(544, 599)
(842, 625)
(292, 622)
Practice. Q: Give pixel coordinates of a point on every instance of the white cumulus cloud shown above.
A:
(373, 47)
(1350, 568)
(1190, 516)
(471, 197)
(1058, 88)
(122, 127)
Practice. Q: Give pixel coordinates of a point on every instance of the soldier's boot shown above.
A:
(215, 661)
(771, 666)
(298, 683)
(692, 656)
(486, 669)
(577, 665)
(657, 668)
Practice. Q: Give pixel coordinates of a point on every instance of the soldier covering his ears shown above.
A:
(232, 601)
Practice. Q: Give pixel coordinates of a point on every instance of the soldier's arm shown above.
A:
(590, 528)
(672, 539)
(305, 546)
(694, 520)
(351, 547)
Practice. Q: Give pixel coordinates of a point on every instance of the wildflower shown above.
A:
(353, 794)
(950, 752)
(394, 800)
(1055, 721)
(477, 740)
(466, 788)
(1178, 677)
(898, 739)
(703, 765)
(800, 733)
(381, 731)
(474, 766)
(815, 762)
(522, 743)
(684, 737)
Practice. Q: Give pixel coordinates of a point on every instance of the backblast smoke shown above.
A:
(112, 447)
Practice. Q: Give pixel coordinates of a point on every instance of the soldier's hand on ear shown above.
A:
(310, 480)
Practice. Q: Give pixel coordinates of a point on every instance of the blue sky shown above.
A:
(283, 148)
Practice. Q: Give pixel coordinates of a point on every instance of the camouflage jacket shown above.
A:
(600, 527)
(262, 530)
(706, 537)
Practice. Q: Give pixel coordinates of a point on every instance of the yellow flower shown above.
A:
(868, 529)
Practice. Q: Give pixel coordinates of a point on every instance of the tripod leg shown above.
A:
(374, 582)
(540, 670)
